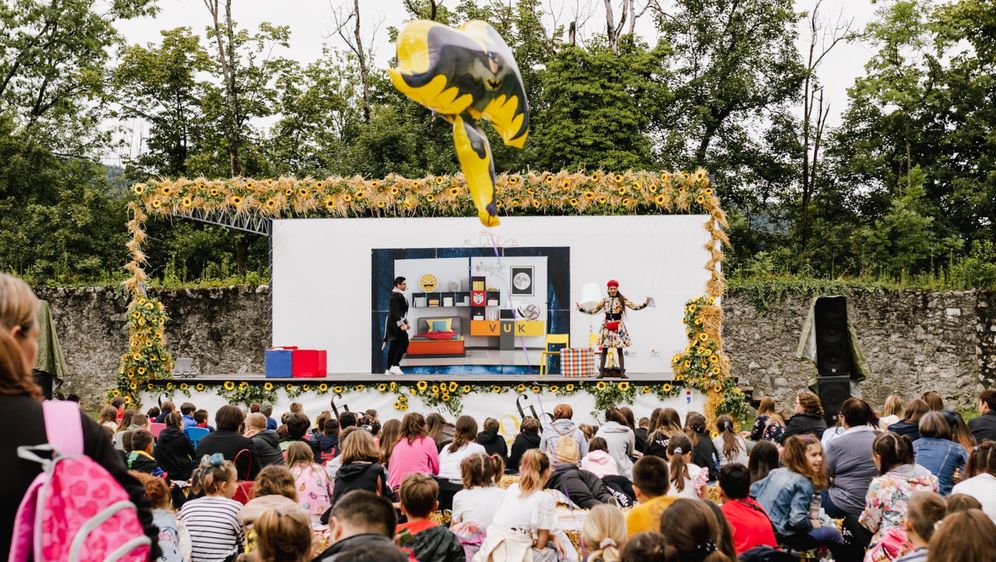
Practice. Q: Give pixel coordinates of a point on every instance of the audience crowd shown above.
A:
(911, 482)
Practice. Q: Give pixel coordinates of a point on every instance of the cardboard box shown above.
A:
(309, 363)
(277, 362)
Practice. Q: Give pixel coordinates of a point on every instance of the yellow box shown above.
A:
(484, 328)
(530, 328)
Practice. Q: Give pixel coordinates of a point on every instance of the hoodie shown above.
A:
(267, 446)
(348, 544)
(621, 443)
(175, 453)
(523, 442)
(434, 543)
(558, 429)
(493, 444)
(328, 446)
(361, 476)
(600, 463)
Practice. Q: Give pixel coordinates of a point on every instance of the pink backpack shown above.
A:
(74, 510)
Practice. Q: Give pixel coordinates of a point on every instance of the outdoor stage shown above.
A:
(462, 378)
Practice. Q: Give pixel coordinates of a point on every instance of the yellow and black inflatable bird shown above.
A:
(465, 75)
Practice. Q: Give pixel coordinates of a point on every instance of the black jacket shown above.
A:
(229, 443)
(984, 426)
(361, 476)
(910, 430)
(494, 444)
(583, 487)
(438, 544)
(267, 446)
(398, 309)
(175, 454)
(641, 439)
(704, 454)
(657, 445)
(523, 442)
(356, 541)
(805, 423)
(25, 423)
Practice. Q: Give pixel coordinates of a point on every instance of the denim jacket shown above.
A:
(786, 496)
(941, 457)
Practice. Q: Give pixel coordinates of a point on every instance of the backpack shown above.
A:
(74, 510)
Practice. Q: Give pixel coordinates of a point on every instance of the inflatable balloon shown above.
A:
(465, 75)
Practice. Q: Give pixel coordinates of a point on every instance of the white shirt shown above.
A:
(477, 504)
(689, 491)
(983, 488)
(449, 463)
(832, 433)
(535, 511)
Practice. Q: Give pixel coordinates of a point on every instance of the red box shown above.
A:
(308, 363)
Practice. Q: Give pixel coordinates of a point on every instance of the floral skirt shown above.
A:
(614, 338)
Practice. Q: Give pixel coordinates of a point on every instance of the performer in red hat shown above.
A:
(613, 336)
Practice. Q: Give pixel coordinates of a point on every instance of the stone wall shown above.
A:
(913, 341)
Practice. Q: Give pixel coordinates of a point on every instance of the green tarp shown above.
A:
(49, 351)
(807, 344)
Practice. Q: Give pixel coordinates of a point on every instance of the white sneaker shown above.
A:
(397, 370)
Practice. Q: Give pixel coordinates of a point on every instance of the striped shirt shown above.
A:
(213, 524)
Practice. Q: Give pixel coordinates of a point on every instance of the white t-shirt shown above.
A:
(983, 488)
(449, 463)
(535, 511)
(477, 505)
(689, 491)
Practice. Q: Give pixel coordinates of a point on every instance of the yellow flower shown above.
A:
(141, 370)
(134, 386)
(184, 386)
(588, 195)
(618, 178)
(569, 388)
(268, 386)
(647, 390)
(243, 385)
(381, 387)
(138, 189)
(166, 190)
(713, 358)
(115, 392)
(707, 191)
(679, 378)
(347, 198)
(319, 185)
(553, 388)
(687, 363)
(359, 194)
(236, 200)
(199, 387)
(323, 387)
(229, 385)
(700, 199)
(404, 406)
(329, 203)
(666, 387)
(187, 202)
(380, 205)
(514, 180)
(430, 198)
(153, 358)
(359, 388)
(454, 191)
(495, 388)
(621, 190)
(717, 387)
(305, 387)
(422, 385)
(660, 199)
(393, 386)
(156, 204)
(270, 203)
(465, 389)
(574, 201)
(623, 386)
(453, 386)
(549, 180)
(602, 199)
(337, 389)
(136, 356)
(600, 385)
(397, 405)
(289, 387)
(536, 389)
(214, 192)
(676, 359)
(520, 388)
(440, 180)
(394, 189)
(446, 397)
(714, 370)
(412, 391)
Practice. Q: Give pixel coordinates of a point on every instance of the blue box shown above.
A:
(277, 363)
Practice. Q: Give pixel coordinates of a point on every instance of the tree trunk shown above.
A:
(364, 70)
(226, 59)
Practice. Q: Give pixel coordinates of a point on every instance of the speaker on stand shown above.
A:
(834, 364)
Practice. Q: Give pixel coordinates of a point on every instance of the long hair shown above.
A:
(679, 446)
(731, 441)
(695, 426)
(768, 407)
(480, 470)
(466, 432)
(983, 459)
(283, 536)
(533, 469)
(604, 532)
(691, 532)
(965, 536)
(893, 406)
(915, 410)
(359, 446)
(412, 426)
(763, 459)
(299, 452)
(668, 422)
(18, 309)
(212, 472)
(794, 459)
(389, 436)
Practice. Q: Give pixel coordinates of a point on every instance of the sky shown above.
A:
(313, 26)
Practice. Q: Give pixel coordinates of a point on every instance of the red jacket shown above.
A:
(750, 524)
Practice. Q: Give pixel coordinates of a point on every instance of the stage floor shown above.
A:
(469, 378)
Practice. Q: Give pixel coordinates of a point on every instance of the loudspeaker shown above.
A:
(833, 355)
(833, 392)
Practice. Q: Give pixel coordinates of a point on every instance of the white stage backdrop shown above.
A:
(322, 268)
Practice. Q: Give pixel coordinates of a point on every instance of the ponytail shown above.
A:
(731, 444)
(532, 468)
(677, 447)
(174, 419)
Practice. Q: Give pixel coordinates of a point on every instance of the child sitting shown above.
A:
(748, 520)
(645, 547)
(201, 420)
(650, 482)
(598, 460)
(215, 531)
(429, 541)
(140, 458)
(925, 511)
(282, 536)
(174, 540)
(688, 480)
(603, 533)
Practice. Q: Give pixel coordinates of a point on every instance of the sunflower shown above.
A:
(666, 387)
(465, 389)
(359, 194)
(422, 385)
(268, 386)
(134, 386)
(184, 386)
(243, 385)
(380, 205)
(270, 204)
(600, 386)
(141, 371)
(513, 180)
(588, 195)
(404, 406)
(214, 192)
(289, 387)
(700, 199)
(536, 389)
(495, 388)
(199, 387)
(229, 385)
(520, 388)
(440, 180)
(166, 190)
(679, 378)
(687, 363)
(138, 189)
(337, 389)
(397, 405)
(574, 201)
(359, 388)
(187, 202)
(454, 191)
(714, 370)
(602, 199)
(319, 185)
(381, 387)
(717, 387)
(115, 392)
(305, 387)
(347, 198)
(713, 358)
(703, 336)
(553, 388)
(623, 386)
(453, 386)
(621, 190)
(395, 189)
(393, 386)
(549, 180)
(323, 387)
(329, 203)
(430, 198)
(569, 388)
(446, 397)
(676, 359)
(647, 390)
(660, 199)
(156, 204)
(412, 391)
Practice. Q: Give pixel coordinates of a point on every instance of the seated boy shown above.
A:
(650, 483)
(924, 511)
(748, 521)
(140, 458)
(428, 541)
(360, 521)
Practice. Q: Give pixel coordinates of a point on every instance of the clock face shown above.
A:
(478, 299)
(522, 281)
(428, 282)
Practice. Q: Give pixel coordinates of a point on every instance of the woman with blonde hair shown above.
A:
(769, 424)
(389, 435)
(212, 520)
(603, 533)
(21, 408)
(314, 487)
(891, 411)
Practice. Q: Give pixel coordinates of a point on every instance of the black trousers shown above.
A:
(396, 349)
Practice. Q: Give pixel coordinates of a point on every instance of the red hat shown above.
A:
(613, 283)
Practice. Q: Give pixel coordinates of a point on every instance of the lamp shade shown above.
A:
(591, 295)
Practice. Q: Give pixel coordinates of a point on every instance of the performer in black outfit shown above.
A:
(396, 331)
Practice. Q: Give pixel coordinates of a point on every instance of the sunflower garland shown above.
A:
(146, 359)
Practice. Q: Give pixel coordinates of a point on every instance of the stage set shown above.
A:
(495, 329)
